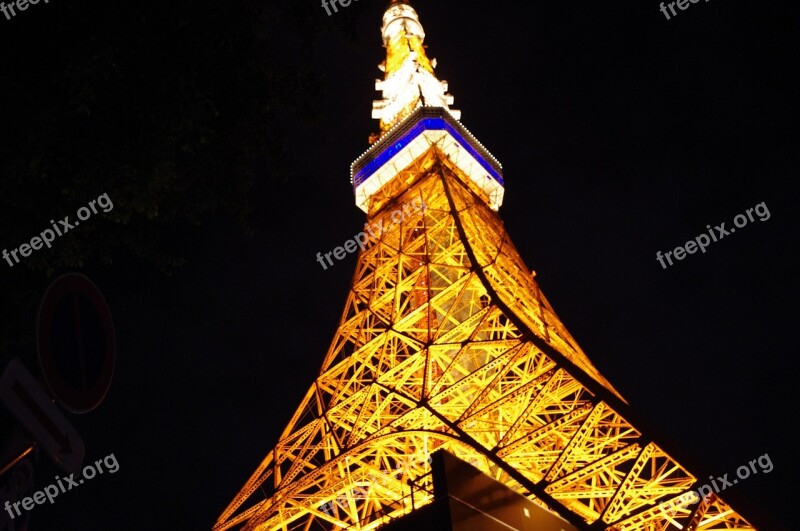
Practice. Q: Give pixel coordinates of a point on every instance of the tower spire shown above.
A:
(409, 80)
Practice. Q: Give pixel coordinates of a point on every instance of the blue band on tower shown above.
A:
(425, 119)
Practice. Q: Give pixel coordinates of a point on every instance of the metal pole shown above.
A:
(16, 460)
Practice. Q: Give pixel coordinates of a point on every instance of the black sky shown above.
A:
(621, 134)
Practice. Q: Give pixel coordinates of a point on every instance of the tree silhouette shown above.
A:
(170, 110)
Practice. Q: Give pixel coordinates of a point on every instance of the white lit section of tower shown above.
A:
(410, 81)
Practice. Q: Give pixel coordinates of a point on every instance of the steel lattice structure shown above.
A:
(447, 342)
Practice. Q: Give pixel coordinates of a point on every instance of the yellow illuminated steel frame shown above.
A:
(447, 342)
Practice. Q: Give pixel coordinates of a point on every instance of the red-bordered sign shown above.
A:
(75, 338)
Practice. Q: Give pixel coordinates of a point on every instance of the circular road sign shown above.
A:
(75, 339)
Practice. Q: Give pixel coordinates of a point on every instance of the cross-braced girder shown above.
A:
(446, 342)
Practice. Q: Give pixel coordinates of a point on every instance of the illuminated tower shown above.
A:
(447, 342)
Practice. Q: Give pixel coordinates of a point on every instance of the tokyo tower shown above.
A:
(447, 343)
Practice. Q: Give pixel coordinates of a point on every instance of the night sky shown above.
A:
(621, 134)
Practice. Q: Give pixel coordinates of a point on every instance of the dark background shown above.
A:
(224, 132)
